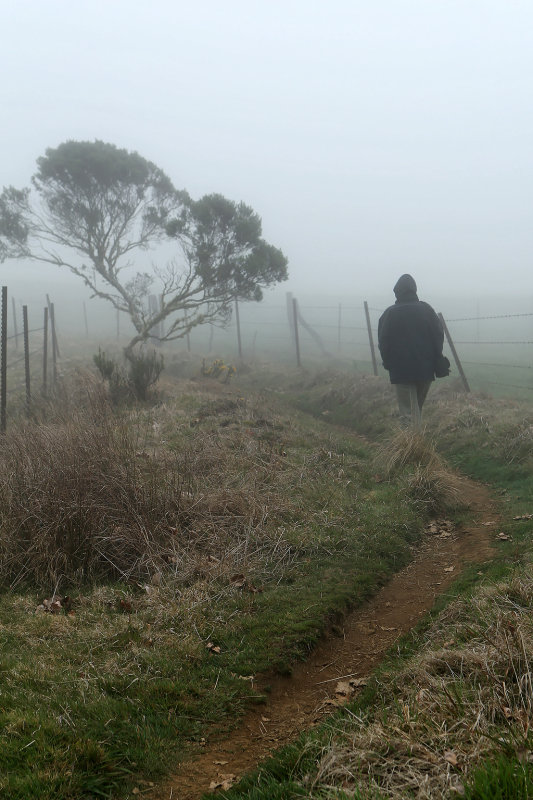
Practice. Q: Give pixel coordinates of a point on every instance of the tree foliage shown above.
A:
(96, 209)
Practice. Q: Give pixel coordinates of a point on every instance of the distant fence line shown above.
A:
(332, 331)
(24, 382)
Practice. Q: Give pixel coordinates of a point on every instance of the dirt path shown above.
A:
(299, 701)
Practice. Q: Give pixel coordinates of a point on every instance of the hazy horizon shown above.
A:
(373, 139)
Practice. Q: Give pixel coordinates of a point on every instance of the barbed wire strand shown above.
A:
(493, 316)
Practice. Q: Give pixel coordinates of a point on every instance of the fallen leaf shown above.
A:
(524, 516)
(224, 782)
(213, 648)
(503, 536)
(490, 523)
(449, 569)
(238, 580)
(220, 763)
(343, 689)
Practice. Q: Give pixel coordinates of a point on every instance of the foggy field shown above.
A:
(493, 338)
(214, 531)
(206, 538)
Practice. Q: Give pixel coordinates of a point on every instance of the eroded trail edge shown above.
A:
(301, 700)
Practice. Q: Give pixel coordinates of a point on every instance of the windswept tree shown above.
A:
(97, 210)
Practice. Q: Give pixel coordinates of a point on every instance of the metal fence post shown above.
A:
(371, 340)
(3, 362)
(187, 335)
(26, 357)
(238, 322)
(290, 312)
(45, 351)
(15, 323)
(296, 338)
(55, 352)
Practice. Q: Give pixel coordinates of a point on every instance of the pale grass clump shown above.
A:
(427, 481)
(465, 699)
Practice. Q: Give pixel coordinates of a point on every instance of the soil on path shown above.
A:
(301, 700)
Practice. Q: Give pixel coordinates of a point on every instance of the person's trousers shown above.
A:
(411, 397)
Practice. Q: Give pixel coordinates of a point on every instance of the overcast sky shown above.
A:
(372, 136)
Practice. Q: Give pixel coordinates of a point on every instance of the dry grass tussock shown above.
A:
(466, 699)
(429, 482)
(90, 495)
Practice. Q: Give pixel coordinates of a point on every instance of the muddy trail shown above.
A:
(322, 683)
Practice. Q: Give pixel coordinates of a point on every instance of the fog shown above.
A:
(373, 138)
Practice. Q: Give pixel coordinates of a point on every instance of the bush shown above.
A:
(119, 385)
(144, 371)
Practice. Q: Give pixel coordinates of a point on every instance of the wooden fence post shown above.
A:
(454, 353)
(296, 338)
(26, 357)
(371, 340)
(3, 362)
(238, 322)
(55, 344)
(45, 351)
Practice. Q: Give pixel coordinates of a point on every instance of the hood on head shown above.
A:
(405, 285)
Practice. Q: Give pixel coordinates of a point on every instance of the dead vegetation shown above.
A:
(87, 494)
(429, 483)
(465, 700)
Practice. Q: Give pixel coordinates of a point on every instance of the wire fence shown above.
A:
(490, 350)
(24, 357)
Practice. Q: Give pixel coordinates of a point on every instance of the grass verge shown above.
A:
(230, 512)
(450, 713)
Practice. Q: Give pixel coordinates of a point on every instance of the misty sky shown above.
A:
(373, 136)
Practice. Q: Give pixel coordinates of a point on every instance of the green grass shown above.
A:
(482, 441)
(94, 703)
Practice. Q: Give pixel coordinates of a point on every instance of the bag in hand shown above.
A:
(442, 367)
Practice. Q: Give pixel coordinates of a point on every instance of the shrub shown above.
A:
(144, 371)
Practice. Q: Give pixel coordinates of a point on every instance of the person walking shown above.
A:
(410, 340)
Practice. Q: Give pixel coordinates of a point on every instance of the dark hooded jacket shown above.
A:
(410, 336)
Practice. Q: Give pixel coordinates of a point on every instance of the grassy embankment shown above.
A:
(450, 714)
(178, 548)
